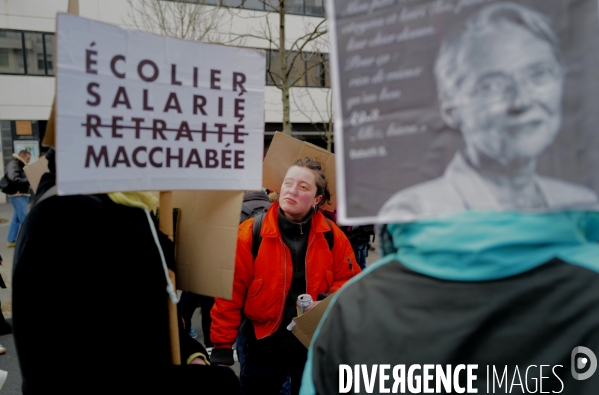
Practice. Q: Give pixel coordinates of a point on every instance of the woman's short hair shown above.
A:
(321, 182)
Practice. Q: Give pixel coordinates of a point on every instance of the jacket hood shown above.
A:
(480, 246)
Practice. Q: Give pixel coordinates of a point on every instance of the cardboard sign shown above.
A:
(206, 230)
(35, 171)
(430, 118)
(306, 324)
(284, 150)
(137, 112)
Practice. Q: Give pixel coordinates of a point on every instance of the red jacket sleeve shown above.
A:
(226, 314)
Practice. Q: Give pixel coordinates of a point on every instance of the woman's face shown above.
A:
(298, 193)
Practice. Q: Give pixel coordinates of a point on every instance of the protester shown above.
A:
(332, 215)
(108, 277)
(5, 327)
(273, 196)
(511, 296)
(187, 306)
(359, 237)
(294, 258)
(253, 200)
(254, 203)
(17, 193)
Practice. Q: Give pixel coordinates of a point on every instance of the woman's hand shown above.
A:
(197, 361)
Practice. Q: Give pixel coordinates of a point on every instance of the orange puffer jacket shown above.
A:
(260, 287)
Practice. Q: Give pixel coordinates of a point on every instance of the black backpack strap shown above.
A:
(245, 210)
(256, 238)
(329, 235)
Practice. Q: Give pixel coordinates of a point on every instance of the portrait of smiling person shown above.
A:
(490, 248)
(500, 82)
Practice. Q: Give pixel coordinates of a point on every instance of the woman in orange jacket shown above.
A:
(294, 258)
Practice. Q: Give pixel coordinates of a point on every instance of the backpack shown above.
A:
(252, 213)
(4, 182)
(7, 186)
(257, 239)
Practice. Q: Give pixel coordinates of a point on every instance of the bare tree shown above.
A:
(325, 115)
(190, 19)
(286, 67)
(196, 20)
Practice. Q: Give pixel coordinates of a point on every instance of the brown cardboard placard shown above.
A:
(50, 133)
(206, 240)
(306, 324)
(284, 151)
(23, 128)
(35, 170)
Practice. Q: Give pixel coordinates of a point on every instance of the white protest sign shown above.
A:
(137, 111)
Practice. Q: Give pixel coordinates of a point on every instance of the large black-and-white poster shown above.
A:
(453, 105)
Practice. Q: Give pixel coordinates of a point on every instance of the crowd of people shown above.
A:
(18, 191)
(287, 245)
(513, 290)
(130, 257)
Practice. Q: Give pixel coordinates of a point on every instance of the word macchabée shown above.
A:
(159, 156)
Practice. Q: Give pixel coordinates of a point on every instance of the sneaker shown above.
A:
(3, 375)
(11, 244)
(193, 333)
(2, 350)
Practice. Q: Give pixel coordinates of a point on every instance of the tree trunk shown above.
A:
(283, 55)
(329, 137)
(286, 109)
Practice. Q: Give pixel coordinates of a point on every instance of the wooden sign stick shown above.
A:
(165, 224)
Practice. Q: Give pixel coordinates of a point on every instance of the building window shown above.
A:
(4, 54)
(34, 47)
(314, 7)
(254, 5)
(311, 67)
(49, 41)
(298, 69)
(297, 7)
(314, 68)
(40, 61)
(27, 53)
(294, 6)
(11, 44)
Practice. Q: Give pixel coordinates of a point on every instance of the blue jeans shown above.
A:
(361, 252)
(239, 344)
(19, 204)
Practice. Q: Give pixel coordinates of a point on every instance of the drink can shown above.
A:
(303, 301)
